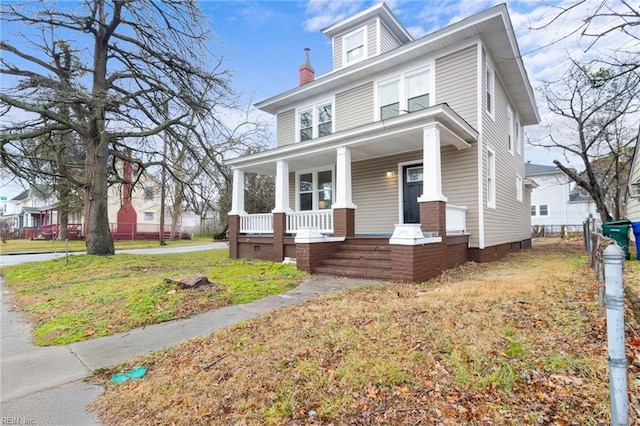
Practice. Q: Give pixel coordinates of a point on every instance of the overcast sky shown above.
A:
(263, 42)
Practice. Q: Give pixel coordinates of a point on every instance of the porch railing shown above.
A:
(261, 223)
(456, 219)
(321, 219)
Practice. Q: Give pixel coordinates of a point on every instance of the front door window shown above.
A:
(412, 189)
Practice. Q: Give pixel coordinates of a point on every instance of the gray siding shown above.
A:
(376, 195)
(510, 220)
(460, 184)
(372, 38)
(286, 128)
(292, 191)
(456, 83)
(354, 107)
(337, 52)
(387, 40)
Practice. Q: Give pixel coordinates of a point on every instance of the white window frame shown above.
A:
(364, 46)
(409, 75)
(510, 137)
(519, 184)
(534, 210)
(314, 180)
(491, 178)
(518, 138)
(401, 78)
(634, 189)
(298, 123)
(540, 210)
(148, 216)
(314, 108)
(490, 89)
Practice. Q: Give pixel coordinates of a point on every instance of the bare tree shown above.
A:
(597, 118)
(125, 71)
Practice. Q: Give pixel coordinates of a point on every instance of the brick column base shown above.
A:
(234, 231)
(279, 232)
(433, 217)
(344, 222)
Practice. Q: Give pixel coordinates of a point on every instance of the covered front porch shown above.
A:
(316, 219)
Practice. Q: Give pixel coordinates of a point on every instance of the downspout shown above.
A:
(480, 152)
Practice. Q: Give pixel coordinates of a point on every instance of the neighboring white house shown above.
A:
(633, 190)
(555, 202)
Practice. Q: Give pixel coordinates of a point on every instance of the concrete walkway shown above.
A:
(47, 385)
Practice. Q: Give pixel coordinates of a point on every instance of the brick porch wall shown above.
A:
(310, 255)
(344, 222)
(234, 230)
(496, 252)
(433, 217)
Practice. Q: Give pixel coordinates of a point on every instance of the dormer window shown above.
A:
(354, 45)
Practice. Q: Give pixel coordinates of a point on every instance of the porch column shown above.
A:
(237, 197)
(343, 208)
(281, 209)
(237, 209)
(432, 201)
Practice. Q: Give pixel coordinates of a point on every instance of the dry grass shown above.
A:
(519, 341)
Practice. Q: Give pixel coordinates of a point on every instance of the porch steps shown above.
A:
(359, 259)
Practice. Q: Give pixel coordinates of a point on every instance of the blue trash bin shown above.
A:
(636, 233)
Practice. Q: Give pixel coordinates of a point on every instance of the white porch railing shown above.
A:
(261, 223)
(321, 219)
(456, 219)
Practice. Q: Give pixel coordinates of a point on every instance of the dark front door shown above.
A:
(412, 189)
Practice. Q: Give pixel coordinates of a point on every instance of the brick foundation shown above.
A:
(489, 254)
(279, 233)
(234, 230)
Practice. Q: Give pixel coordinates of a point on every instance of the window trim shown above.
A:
(534, 210)
(519, 185)
(491, 178)
(401, 78)
(540, 210)
(299, 122)
(518, 136)
(490, 89)
(149, 216)
(364, 45)
(314, 108)
(315, 190)
(510, 134)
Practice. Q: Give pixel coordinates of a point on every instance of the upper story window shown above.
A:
(490, 86)
(314, 121)
(635, 189)
(543, 209)
(417, 92)
(510, 139)
(518, 137)
(389, 100)
(148, 193)
(306, 125)
(533, 210)
(404, 93)
(354, 46)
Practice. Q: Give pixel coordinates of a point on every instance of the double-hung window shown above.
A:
(518, 187)
(533, 210)
(510, 139)
(518, 138)
(417, 92)
(306, 125)
(544, 210)
(314, 121)
(354, 46)
(491, 178)
(315, 190)
(490, 87)
(389, 99)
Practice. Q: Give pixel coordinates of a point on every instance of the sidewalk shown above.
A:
(46, 386)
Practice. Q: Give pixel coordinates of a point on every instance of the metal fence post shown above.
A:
(613, 260)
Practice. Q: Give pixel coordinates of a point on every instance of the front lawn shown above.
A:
(95, 296)
(514, 342)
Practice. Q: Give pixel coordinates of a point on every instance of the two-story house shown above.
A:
(406, 159)
(558, 207)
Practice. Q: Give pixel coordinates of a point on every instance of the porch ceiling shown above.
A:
(396, 135)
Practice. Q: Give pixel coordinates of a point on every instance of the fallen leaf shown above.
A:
(171, 292)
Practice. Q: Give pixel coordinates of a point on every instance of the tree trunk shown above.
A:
(176, 211)
(98, 234)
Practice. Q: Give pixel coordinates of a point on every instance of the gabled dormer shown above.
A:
(370, 33)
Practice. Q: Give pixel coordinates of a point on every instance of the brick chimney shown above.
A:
(307, 73)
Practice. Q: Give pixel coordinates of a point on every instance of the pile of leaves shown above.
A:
(517, 341)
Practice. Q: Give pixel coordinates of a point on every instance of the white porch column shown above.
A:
(282, 187)
(432, 168)
(343, 179)
(237, 197)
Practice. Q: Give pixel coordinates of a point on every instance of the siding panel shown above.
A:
(372, 39)
(511, 219)
(456, 83)
(387, 40)
(354, 107)
(286, 127)
(337, 52)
